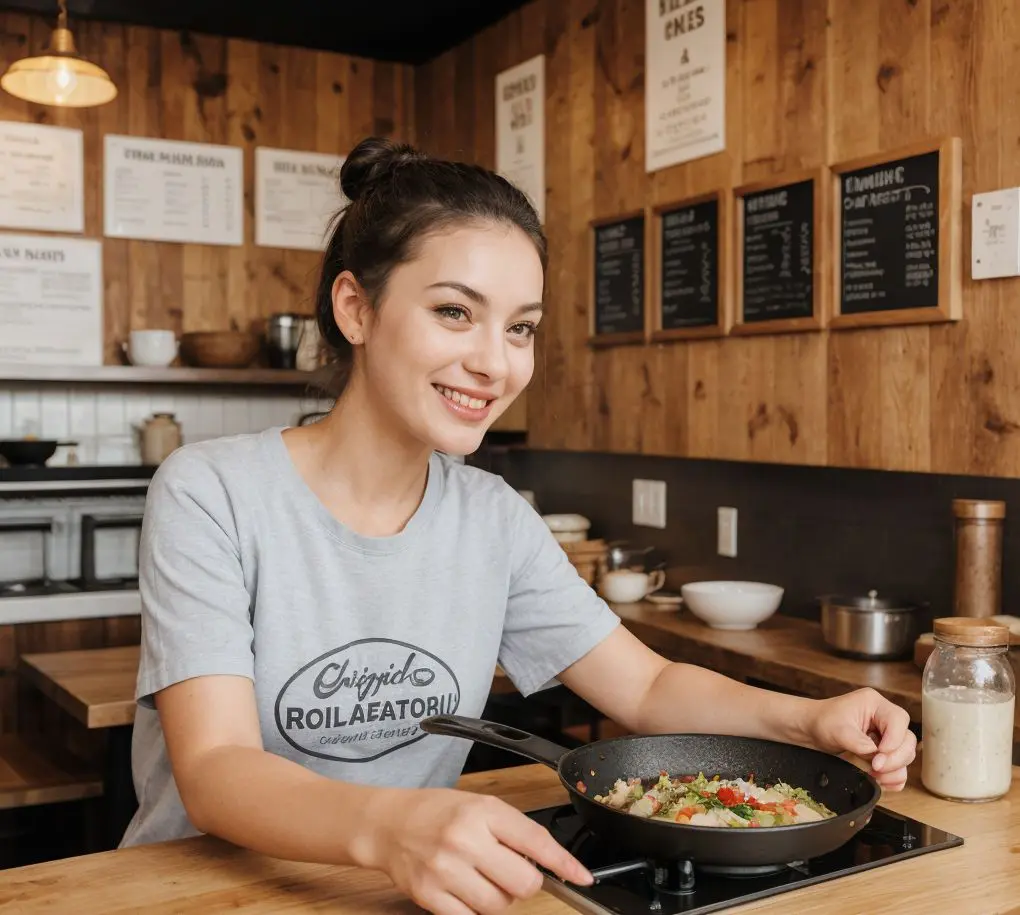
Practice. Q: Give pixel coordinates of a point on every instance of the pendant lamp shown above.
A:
(59, 75)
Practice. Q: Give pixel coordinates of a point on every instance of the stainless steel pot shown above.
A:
(869, 628)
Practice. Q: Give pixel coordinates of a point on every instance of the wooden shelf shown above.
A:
(130, 374)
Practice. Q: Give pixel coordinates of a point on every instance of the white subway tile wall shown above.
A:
(103, 421)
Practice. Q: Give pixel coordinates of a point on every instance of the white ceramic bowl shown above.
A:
(732, 604)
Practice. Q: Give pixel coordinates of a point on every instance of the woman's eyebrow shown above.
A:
(479, 297)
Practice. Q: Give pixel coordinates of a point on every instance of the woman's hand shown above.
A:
(865, 723)
(456, 853)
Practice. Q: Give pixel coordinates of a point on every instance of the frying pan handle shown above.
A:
(497, 735)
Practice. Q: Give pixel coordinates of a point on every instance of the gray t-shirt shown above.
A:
(349, 640)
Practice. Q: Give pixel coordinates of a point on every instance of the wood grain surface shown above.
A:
(206, 875)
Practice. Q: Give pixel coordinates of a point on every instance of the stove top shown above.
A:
(46, 588)
(627, 886)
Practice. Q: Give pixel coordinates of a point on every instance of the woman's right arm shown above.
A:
(452, 852)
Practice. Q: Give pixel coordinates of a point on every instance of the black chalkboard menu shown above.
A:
(777, 277)
(689, 266)
(889, 235)
(620, 277)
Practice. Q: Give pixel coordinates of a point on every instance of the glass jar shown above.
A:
(968, 693)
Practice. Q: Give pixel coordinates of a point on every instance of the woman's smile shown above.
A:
(465, 404)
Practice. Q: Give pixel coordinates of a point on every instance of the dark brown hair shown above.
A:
(397, 196)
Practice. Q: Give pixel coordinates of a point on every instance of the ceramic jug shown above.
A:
(160, 434)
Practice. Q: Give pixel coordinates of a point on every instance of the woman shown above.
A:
(310, 594)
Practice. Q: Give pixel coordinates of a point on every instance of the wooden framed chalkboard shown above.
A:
(781, 254)
(690, 268)
(896, 223)
(618, 294)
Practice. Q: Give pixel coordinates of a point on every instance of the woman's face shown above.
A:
(451, 343)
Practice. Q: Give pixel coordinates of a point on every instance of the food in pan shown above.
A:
(698, 801)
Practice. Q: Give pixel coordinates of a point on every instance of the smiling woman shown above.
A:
(310, 594)
(432, 285)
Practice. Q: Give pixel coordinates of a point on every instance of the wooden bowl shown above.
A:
(221, 349)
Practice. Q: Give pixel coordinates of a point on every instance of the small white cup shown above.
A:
(151, 347)
(626, 586)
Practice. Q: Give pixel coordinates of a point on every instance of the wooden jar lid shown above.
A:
(971, 631)
(979, 509)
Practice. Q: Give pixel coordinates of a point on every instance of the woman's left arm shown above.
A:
(645, 693)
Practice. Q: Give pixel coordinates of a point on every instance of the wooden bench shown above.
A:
(30, 776)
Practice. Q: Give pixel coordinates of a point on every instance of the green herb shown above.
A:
(743, 810)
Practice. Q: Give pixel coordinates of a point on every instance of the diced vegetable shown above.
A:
(699, 801)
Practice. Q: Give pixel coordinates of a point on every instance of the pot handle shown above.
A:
(500, 736)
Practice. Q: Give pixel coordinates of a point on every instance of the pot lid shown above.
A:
(871, 601)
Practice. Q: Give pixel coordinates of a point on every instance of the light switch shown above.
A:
(727, 532)
(649, 503)
(995, 234)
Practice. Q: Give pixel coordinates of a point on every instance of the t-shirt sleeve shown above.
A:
(195, 606)
(553, 616)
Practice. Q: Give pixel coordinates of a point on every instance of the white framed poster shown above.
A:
(51, 300)
(520, 129)
(296, 195)
(42, 177)
(685, 80)
(169, 190)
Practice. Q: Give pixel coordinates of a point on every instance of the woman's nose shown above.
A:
(488, 357)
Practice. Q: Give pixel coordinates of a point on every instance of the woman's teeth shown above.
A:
(473, 402)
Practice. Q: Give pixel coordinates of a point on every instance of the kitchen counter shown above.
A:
(783, 652)
(207, 875)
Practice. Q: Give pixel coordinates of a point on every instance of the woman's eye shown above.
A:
(454, 312)
(524, 330)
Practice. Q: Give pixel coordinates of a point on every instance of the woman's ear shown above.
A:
(352, 310)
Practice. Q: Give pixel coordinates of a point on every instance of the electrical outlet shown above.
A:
(727, 531)
(649, 503)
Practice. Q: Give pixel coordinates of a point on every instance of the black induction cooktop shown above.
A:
(629, 886)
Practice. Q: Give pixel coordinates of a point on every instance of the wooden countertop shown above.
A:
(784, 652)
(207, 875)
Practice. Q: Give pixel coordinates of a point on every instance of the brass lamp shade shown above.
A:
(59, 76)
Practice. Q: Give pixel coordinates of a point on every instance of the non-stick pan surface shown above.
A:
(850, 793)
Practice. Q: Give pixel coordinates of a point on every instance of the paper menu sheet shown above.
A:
(51, 300)
(297, 193)
(169, 190)
(42, 176)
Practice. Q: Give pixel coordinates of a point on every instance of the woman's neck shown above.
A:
(368, 475)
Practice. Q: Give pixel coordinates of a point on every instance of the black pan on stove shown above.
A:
(846, 790)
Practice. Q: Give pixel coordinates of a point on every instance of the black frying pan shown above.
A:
(850, 793)
(28, 452)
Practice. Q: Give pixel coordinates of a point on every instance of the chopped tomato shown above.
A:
(754, 824)
(582, 787)
(687, 779)
(730, 796)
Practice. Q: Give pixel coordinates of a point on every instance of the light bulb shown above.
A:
(62, 83)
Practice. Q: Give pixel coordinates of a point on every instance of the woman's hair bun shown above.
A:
(372, 160)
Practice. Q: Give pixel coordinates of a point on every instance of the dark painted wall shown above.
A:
(812, 530)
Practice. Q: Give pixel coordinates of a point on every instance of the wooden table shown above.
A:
(207, 875)
(97, 688)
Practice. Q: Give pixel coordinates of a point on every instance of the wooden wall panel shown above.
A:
(809, 82)
(209, 89)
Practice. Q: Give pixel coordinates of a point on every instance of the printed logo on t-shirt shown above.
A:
(364, 700)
